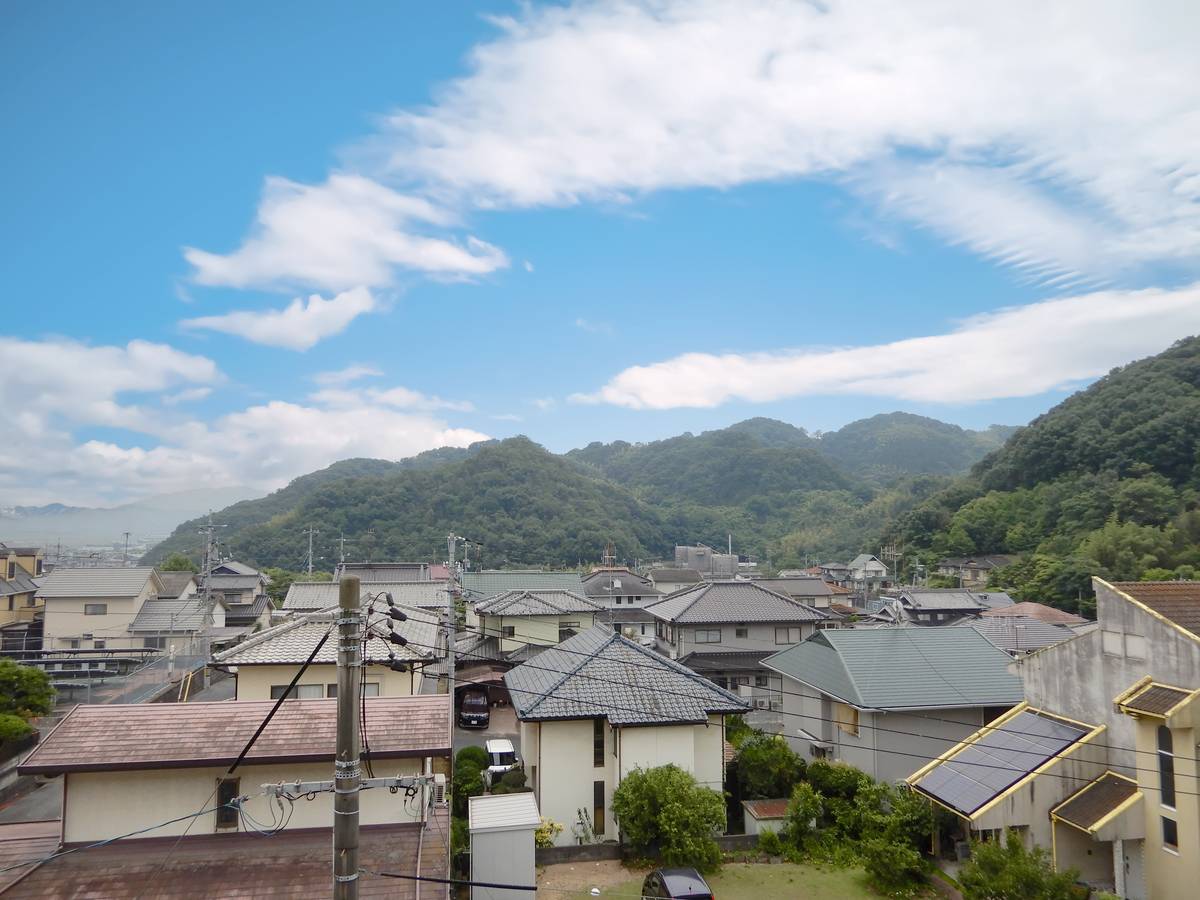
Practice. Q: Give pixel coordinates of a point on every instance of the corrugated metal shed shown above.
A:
(503, 812)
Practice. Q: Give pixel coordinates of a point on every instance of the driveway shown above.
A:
(503, 725)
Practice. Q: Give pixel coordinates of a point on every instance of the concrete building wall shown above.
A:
(1172, 874)
(1075, 849)
(1080, 677)
(102, 805)
(255, 682)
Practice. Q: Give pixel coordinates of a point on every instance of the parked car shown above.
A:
(501, 758)
(676, 884)
(474, 712)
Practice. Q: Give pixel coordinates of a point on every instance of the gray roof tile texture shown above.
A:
(292, 642)
(311, 595)
(600, 674)
(942, 599)
(536, 603)
(1017, 632)
(732, 601)
(903, 668)
(167, 614)
(486, 584)
(96, 582)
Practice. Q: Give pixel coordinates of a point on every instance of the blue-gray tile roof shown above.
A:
(732, 601)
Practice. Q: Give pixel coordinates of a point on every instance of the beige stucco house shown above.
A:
(522, 617)
(162, 770)
(598, 706)
(19, 566)
(265, 663)
(92, 608)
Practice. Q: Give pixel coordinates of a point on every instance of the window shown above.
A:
(720, 682)
(40, 568)
(708, 635)
(72, 643)
(370, 689)
(155, 643)
(87, 635)
(618, 599)
(31, 600)
(741, 631)
(1111, 642)
(99, 645)
(508, 631)
(846, 718)
(95, 609)
(787, 635)
(1135, 646)
(11, 601)
(1170, 834)
(598, 807)
(760, 680)
(300, 692)
(566, 630)
(228, 790)
(12, 570)
(597, 742)
(1166, 767)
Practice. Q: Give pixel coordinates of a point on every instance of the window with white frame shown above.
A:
(708, 635)
(95, 609)
(788, 635)
(299, 692)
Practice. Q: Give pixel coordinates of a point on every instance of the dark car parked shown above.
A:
(676, 884)
(474, 711)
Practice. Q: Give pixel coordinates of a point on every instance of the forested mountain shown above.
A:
(1106, 483)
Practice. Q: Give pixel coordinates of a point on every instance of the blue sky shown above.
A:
(578, 222)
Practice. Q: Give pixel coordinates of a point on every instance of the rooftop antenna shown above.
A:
(609, 559)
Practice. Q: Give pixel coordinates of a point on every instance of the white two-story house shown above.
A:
(92, 608)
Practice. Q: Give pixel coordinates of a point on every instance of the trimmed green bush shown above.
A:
(476, 755)
(665, 809)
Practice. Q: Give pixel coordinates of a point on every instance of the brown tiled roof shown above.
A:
(291, 864)
(1178, 601)
(1156, 699)
(1038, 611)
(186, 735)
(766, 809)
(1095, 800)
(25, 841)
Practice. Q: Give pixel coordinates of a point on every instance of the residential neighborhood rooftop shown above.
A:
(732, 601)
(188, 735)
(792, 587)
(1089, 807)
(902, 668)
(98, 581)
(536, 603)
(942, 599)
(489, 583)
(168, 614)
(174, 583)
(1017, 633)
(311, 595)
(600, 674)
(674, 576)
(767, 809)
(1039, 611)
(1177, 601)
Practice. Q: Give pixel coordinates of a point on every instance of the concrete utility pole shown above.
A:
(346, 773)
(452, 593)
(310, 531)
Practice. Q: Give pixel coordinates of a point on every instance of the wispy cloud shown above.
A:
(394, 397)
(506, 417)
(593, 327)
(545, 404)
(346, 376)
(299, 326)
(346, 232)
(1010, 353)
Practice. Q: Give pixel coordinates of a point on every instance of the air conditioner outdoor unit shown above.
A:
(439, 790)
(762, 703)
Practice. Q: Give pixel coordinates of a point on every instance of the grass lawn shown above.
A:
(762, 881)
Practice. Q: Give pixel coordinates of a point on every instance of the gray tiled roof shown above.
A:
(994, 599)
(293, 641)
(170, 614)
(174, 583)
(246, 613)
(233, 582)
(903, 668)
(369, 573)
(675, 576)
(732, 601)
(308, 595)
(797, 587)
(599, 673)
(941, 599)
(98, 582)
(233, 567)
(536, 603)
(1017, 632)
(487, 584)
(600, 584)
(20, 583)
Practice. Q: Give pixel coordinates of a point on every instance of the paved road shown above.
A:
(43, 802)
(503, 725)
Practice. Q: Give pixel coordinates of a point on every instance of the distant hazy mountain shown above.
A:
(148, 519)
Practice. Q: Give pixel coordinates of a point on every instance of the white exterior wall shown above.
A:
(759, 636)
(102, 805)
(502, 857)
(533, 629)
(255, 682)
(758, 826)
(563, 757)
(66, 620)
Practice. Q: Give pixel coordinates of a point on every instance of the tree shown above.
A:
(24, 690)
(803, 812)
(177, 562)
(13, 728)
(665, 810)
(282, 579)
(1011, 872)
(767, 768)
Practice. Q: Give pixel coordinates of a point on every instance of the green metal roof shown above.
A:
(903, 668)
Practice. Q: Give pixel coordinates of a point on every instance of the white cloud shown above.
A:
(299, 326)
(188, 395)
(1015, 352)
(346, 376)
(506, 417)
(394, 397)
(1060, 139)
(57, 390)
(545, 404)
(593, 327)
(528, 266)
(346, 232)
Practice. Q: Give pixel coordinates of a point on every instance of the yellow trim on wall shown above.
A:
(969, 739)
(1107, 817)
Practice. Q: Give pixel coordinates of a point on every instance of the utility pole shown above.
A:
(452, 593)
(346, 773)
(310, 531)
(341, 547)
(125, 555)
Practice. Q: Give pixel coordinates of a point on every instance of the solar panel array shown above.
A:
(997, 760)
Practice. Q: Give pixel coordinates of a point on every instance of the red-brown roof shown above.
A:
(766, 809)
(1039, 611)
(186, 735)
(25, 841)
(291, 864)
(1178, 601)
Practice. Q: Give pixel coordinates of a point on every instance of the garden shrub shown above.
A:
(770, 843)
(1011, 872)
(894, 869)
(477, 755)
(665, 809)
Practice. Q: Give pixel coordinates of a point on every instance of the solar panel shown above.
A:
(998, 760)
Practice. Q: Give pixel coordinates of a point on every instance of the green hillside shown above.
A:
(1106, 483)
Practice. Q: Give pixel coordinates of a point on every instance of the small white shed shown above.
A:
(765, 815)
(502, 848)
